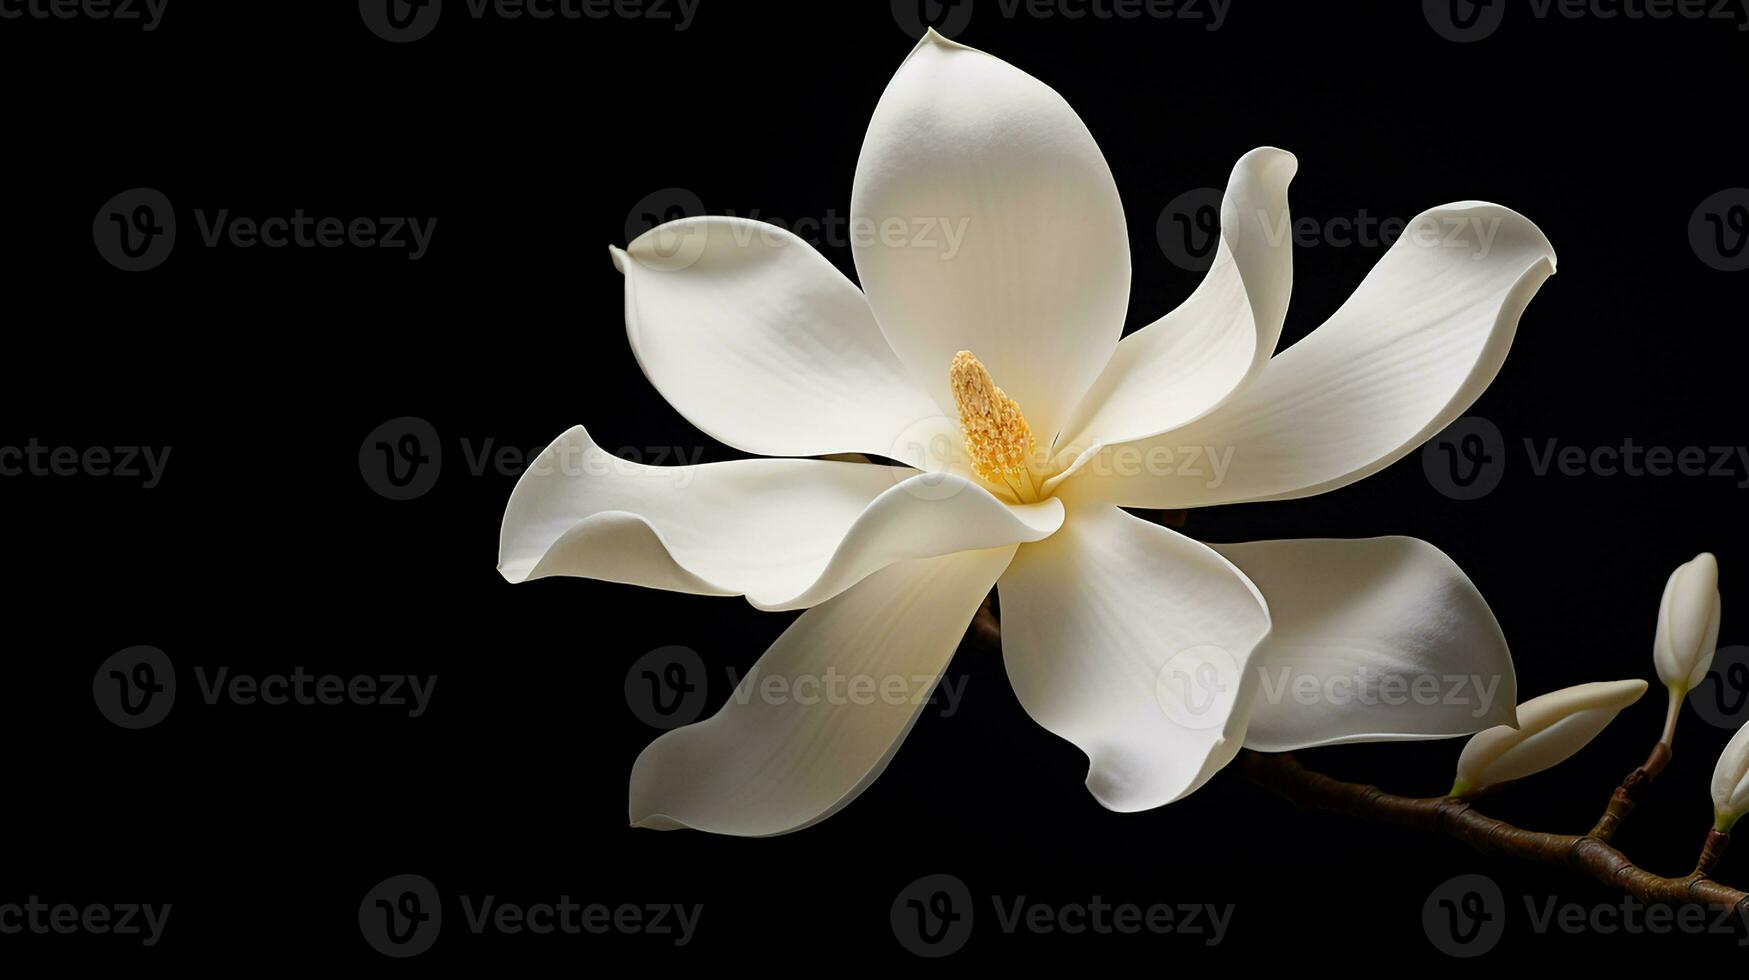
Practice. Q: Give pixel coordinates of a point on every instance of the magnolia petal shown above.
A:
(1551, 729)
(992, 225)
(1405, 356)
(1376, 640)
(1688, 624)
(1178, 368)
(754, 337)
(1135, 644)
(762, 766)
(787, 533)
(1731, 781)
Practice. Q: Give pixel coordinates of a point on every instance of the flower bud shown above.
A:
(1731, 782)
(1551, 728)
(1688, 625)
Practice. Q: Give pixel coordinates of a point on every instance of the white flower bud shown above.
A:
(1688, 625)
(1731, 782)
(1551, 728)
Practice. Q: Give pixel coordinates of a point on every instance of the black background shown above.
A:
(532, 142)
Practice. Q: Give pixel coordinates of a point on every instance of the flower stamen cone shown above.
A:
(997, 438)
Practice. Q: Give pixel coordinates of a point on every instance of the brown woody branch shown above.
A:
(1284, 776)
(1591, 854)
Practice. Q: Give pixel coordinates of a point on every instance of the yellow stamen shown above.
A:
(997, 437)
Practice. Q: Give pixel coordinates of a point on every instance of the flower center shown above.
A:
(997, 437)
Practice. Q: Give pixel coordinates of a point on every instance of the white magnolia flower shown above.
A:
(1688, 625)
(1731, 782)
(1158, 656)
(1551, 729)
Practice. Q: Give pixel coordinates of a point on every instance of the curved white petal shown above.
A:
(1375, 640)
(1178, 368)
(989, 222)
(754, 337)
(1688, 624)
(1731, 781)
(1551, 729)
(1415, 346)
(787, 533)
(823, 711)
(1133, 642)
